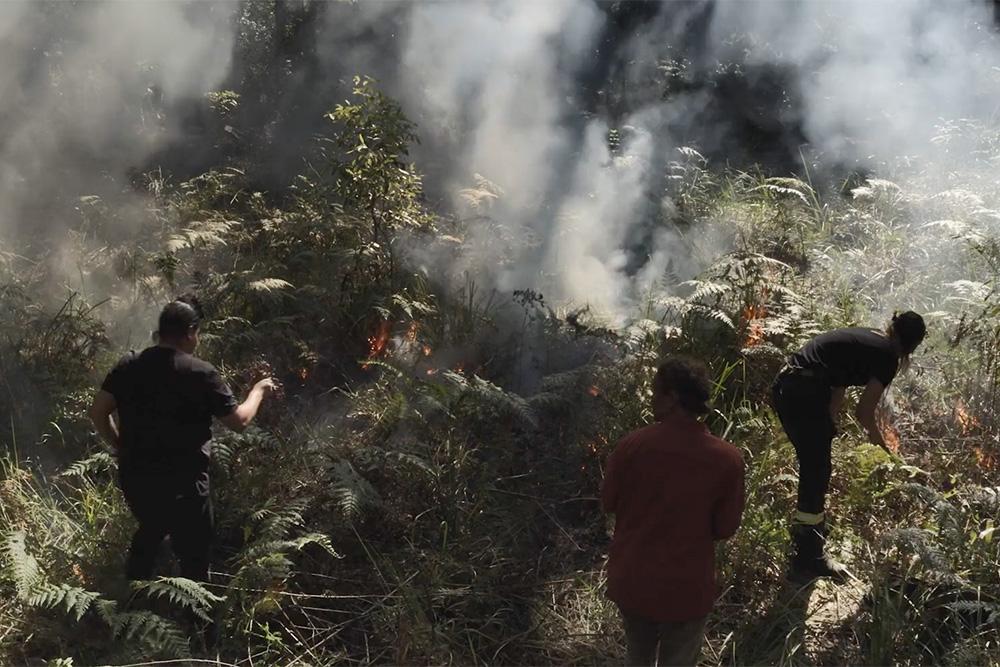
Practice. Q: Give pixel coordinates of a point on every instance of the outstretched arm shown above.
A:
(100, 413)
(865, 412)
(240, 418)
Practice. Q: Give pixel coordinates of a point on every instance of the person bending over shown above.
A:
(675, 489)
(808, 395)
(165, 398)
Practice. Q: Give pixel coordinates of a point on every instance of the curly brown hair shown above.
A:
(688, 380)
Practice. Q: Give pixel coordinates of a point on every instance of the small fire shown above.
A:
(753, 316)
(986, 460)
(378, 341)
(889, 432)
(460, 367)
(891, 437)
(432, 371)
(411, 332)
(965, 420)
(303, 374)
(593, 391)
(427, 350)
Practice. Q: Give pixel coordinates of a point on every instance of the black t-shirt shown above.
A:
(849, 357)
(166, 400)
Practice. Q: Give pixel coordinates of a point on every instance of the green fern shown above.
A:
(922, 544)
(489, 395)
(352, 492)
(74, 600)
(276, 524)
(267, 285)
(22, 565)
(201, 234)
(161, 635)
(181, 592)
(92, 465)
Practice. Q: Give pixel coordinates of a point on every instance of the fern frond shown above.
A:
(268, 285)
(411, 460)
(92, 465)
(702, 289)
(74, 600)
(160, 634)
(265, 549)
(206, 233)
(920, 543)
(713, 314)
(353, 493)
(182, 592)
(276, 524)
(22, 565)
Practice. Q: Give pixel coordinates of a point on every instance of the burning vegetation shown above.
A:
(451, 488)
(378, 342)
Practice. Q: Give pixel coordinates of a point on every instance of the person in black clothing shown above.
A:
(165, 399)
(808, 395)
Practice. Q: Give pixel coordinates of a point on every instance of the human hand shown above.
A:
(267, 386)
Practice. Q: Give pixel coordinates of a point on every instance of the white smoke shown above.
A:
(509, 66)
(498, 81)
(83, 88)
(876, 81)
(877, 78)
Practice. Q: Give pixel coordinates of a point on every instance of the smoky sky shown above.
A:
(523, 94)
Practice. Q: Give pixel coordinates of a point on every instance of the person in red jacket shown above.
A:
(675, 489)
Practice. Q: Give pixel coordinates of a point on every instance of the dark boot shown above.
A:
(809, 562)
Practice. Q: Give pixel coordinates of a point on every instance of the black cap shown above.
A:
(910, 329)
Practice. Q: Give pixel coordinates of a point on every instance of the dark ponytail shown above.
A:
(909, 329)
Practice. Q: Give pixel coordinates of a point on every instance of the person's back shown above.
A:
(166, 400)
(674, 489)
(848, 357)
(675, 492)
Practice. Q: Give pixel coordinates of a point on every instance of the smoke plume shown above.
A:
(562, 105)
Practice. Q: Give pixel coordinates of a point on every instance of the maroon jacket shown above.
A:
(674, 489)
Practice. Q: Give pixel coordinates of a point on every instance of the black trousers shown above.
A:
(803, 406)
(165, 505)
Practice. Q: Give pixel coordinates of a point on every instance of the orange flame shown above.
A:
(303, 374)
(593, 391)
(752, 317)
(986, 460)
(411, 332)
(891, 437)
(965, 420)
(427, 350)
(378, 341)
(889, 432)
(432, 371)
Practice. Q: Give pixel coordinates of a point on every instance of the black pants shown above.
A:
(803, 406)
(164, 505)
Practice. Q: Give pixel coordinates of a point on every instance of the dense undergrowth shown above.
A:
(425, 491)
